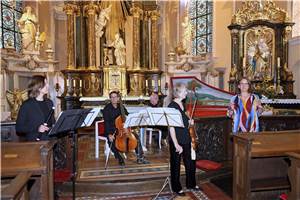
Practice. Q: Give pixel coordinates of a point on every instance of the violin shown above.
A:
(125, 141)
(192, 130)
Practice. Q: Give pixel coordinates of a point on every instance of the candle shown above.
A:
(80, 83)
(146, 83)
(68, 84)
(152, 83)
(74, 82)
(278, 61)
(158, 82)
(244, 62)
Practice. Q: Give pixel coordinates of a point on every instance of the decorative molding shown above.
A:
(260, 10)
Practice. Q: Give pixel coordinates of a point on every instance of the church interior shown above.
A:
(87, 50)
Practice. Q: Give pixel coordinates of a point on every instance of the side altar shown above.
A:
(259, 41)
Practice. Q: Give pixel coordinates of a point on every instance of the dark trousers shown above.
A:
(190, 167)
(138, 150)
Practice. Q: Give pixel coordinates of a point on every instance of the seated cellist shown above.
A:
(110, 112)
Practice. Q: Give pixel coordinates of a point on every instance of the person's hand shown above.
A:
(43, 128)
(111, 137)
(191, 122)
(229, 112)
(260, 110)
(178, 148)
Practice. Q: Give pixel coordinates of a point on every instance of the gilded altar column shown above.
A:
(154, 40)
(90, 11)
(136, 12)
(145, 42)
(70, 10)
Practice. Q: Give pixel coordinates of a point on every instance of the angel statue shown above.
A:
(15, 99)
(102, 20)
(188, 34)
(120, 50)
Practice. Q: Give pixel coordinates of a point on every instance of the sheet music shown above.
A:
(155, 117)
(90, 117)
(165, 117)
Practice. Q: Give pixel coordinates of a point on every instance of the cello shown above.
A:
(125, 141)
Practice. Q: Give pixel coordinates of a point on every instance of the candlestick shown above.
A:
(67, 87)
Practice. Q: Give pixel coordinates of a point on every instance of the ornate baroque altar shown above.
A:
(259, 43)
(111, 46)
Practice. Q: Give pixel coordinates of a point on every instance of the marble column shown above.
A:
(136, 12)
(70, 10)
(154, 40)
(90, 11)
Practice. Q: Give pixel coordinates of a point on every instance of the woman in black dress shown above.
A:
(180, 146)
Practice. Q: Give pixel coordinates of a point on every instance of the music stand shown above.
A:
(169, 117)
(67, 123)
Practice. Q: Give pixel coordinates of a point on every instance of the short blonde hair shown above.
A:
(179, 87)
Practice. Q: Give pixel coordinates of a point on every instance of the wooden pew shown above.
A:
(259, 162)
(17, 188)
(33, 157)
(294, 175)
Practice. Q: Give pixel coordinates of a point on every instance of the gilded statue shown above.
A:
(15, 99)
(233, 72)
(120, 50)
(27, 24)
(188, 34)
(32, 39)
(103, 18)
(287, 74)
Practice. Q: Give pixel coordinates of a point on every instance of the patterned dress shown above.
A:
(245, 114)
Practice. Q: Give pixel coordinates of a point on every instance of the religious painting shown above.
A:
(259, 50)
(204, 93)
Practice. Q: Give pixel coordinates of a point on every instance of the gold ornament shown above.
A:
(15, 99)
(258, 10)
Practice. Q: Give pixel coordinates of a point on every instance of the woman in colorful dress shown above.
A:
(244, 109)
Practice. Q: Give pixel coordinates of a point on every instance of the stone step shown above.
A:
(103, 188)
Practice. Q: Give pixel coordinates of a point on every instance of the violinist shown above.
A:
(180, 146)
(110, 112)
